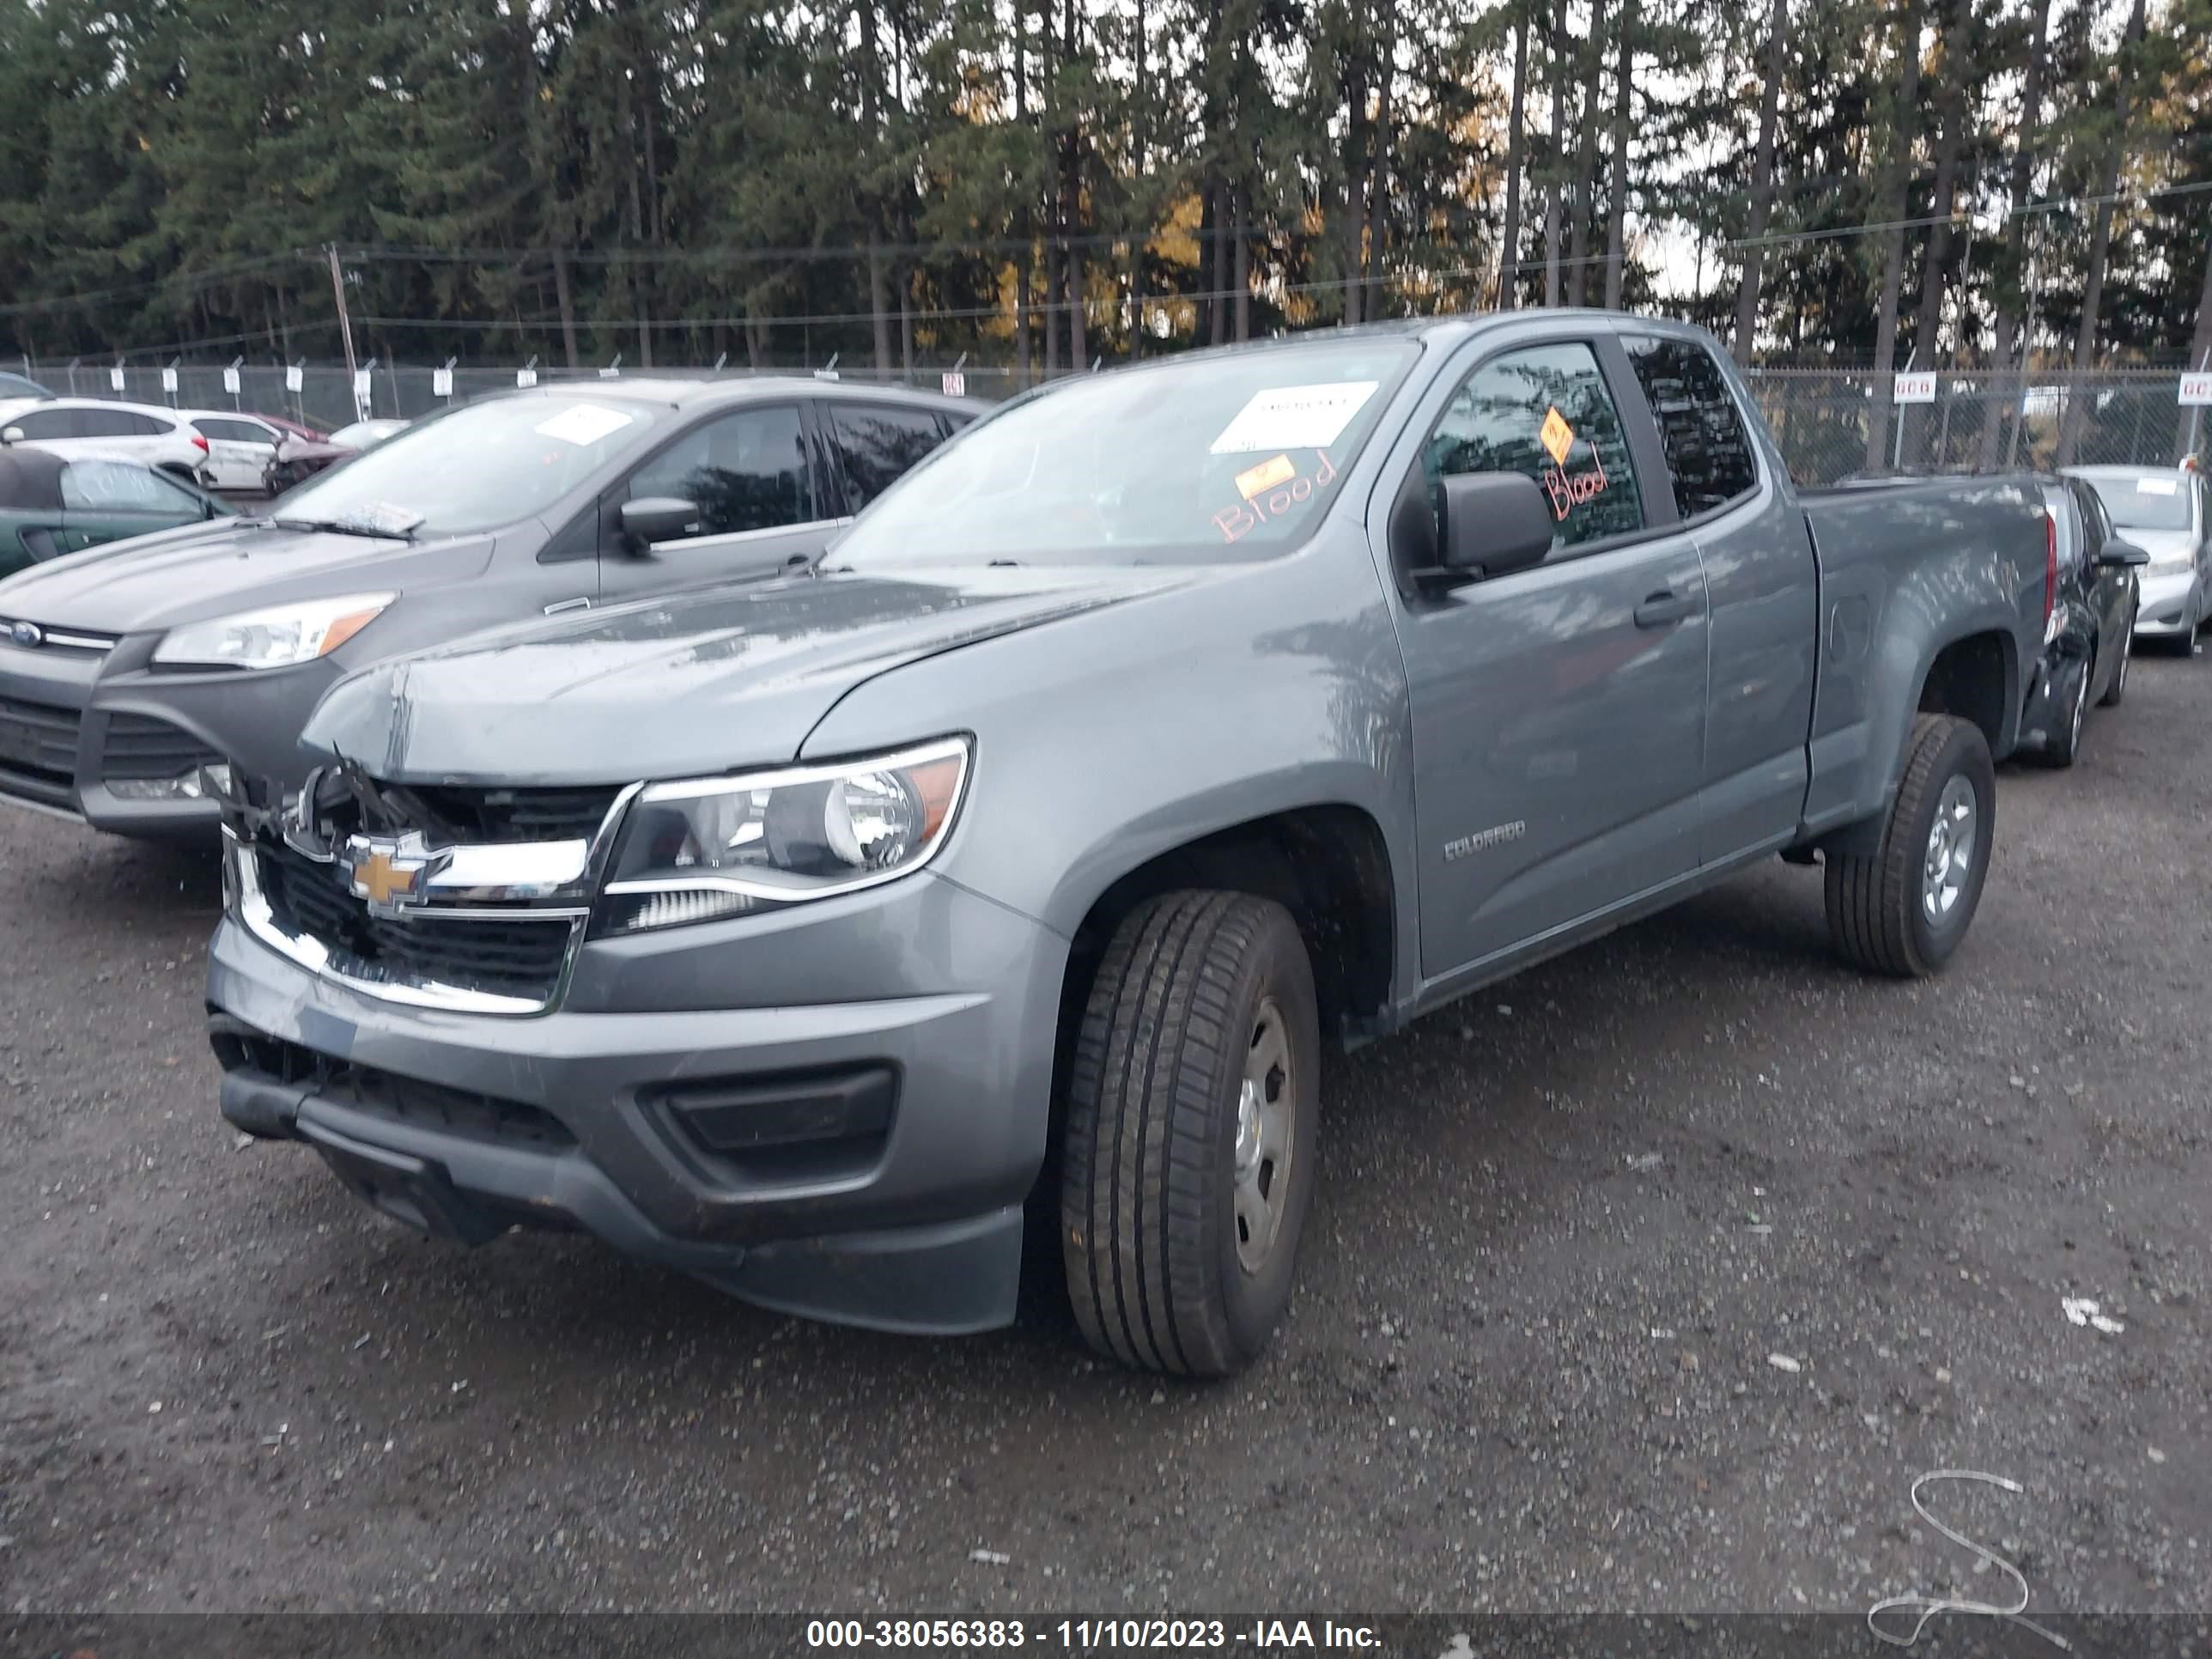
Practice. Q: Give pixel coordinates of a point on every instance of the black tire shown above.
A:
(2118, 688)
(2064, 747)
(1150, 1227)
(1875, 911)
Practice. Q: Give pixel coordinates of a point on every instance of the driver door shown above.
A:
(1559, 711)
(766, 501)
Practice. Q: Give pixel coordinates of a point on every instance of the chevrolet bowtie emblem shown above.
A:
(391, 873)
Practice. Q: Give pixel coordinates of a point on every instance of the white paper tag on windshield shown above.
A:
(1294, 418)
(2157, 487)
(583, 423)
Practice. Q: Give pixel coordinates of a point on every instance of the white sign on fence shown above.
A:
(295, 378)
(825, 373)
(525, 377)
(956, 384)
(115, 378)
(1915, 388)
(441, 383)
(360, 386)
(168, 380)
(230, 380)
(2196, 389)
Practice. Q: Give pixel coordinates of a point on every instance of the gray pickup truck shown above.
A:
(1163, 727)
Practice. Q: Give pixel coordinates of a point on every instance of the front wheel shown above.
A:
(2118, 688)
(1904, 909)
(1190, 1134)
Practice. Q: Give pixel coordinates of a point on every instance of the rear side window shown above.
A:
(119, 486)
(880, 444)
(244, 432)
(49, 423)
(1545, 411)
(1708, 450)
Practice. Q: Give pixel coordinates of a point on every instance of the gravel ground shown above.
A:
(1649, 1279)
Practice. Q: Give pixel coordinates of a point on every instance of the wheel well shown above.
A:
(1327, 866)
(1972, 679)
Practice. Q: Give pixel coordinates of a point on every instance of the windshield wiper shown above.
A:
(351, 527)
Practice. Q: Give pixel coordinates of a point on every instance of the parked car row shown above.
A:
(617, 838)
(218, 449)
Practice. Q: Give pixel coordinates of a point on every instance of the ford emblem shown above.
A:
(29, 635)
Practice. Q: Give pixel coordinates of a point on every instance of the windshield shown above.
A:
(1233, 457)
(484, 465)
(2150, 502)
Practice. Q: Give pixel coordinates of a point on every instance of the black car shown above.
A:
(2092, 592)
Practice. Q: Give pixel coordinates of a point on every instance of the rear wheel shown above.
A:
(2065, 745)
(1190, 1134)
(1904, 909)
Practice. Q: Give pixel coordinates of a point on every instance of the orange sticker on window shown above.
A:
(1266, 476)
(1557, 437)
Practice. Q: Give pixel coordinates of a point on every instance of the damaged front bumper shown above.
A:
(851, 1137)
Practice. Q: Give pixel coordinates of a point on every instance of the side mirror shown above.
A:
(653, 519)
(1489, 524)
(2119, 553)
(13, 435)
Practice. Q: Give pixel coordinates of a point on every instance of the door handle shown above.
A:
(561, 607)
(1664, 607)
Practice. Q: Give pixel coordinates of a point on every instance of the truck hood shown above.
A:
(695, 684)
(202, 570)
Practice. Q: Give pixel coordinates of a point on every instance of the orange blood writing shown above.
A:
(1235, 522)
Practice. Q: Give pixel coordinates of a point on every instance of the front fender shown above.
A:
(1108, 738)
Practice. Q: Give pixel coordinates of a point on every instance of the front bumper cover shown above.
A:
(915, 1224)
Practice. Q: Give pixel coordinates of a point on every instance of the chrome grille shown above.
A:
(515, 954)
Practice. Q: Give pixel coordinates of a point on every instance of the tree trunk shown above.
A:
(1378, 176)
(1052, 328)
(1021, 222)
(1508, 236)
(1240, 278)
(1350, 236)
(2008, 295)
(567, 303)
(879, 301)
(2100, 245)
(1209, 273)
(1584, 201)
(1958, 74)
(1894, 201)
(1616, 207)
(1078, 347)
(1555, 212)
(1762, 183)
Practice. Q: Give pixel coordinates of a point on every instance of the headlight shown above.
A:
(708, 847)
(278, 637)
(2179, 565)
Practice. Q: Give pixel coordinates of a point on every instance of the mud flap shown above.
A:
(408, 1189)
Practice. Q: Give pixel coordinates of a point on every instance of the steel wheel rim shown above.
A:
(1953, 841)
(1267, 1120)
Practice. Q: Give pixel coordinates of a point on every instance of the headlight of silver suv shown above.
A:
(276, 637)
(703, 848)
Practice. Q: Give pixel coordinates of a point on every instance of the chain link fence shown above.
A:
(1830, 423)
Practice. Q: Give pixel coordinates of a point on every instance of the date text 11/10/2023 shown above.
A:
(1091, 1635)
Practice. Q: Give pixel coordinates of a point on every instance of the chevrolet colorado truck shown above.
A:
(1162, 727)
